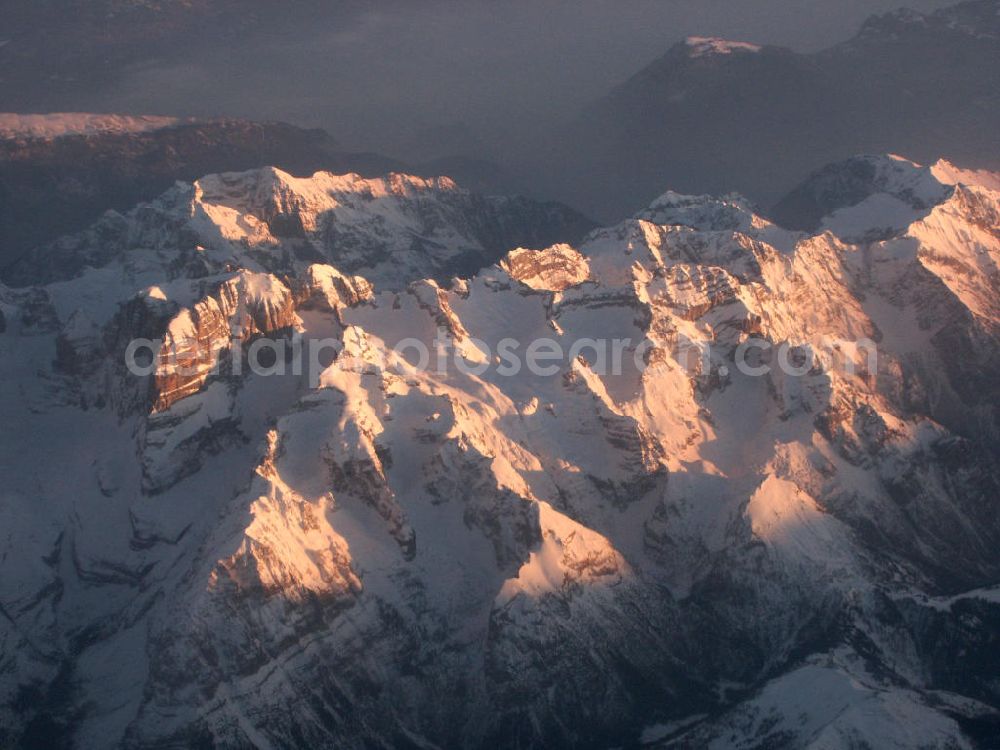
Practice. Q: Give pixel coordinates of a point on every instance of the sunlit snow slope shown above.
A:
(376, 554)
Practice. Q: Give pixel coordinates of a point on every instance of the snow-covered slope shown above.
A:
(824, 705)
(873, 193)
(380, 552)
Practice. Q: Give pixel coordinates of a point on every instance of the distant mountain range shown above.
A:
(709, 116)
(716, 116)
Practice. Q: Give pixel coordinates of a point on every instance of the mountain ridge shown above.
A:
(383, 553)
(89, 164)
(917, 83)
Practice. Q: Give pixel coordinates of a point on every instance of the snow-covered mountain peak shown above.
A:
(729, 213)
(317, 192)
(703, 46)
(391, 230)
(892, 175)
(704, 212)
(949, 174)
(270, 192)
(873, 196)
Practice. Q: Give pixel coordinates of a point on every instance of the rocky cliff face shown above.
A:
(712, 544)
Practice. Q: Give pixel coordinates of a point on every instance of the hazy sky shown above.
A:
(391, 69)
